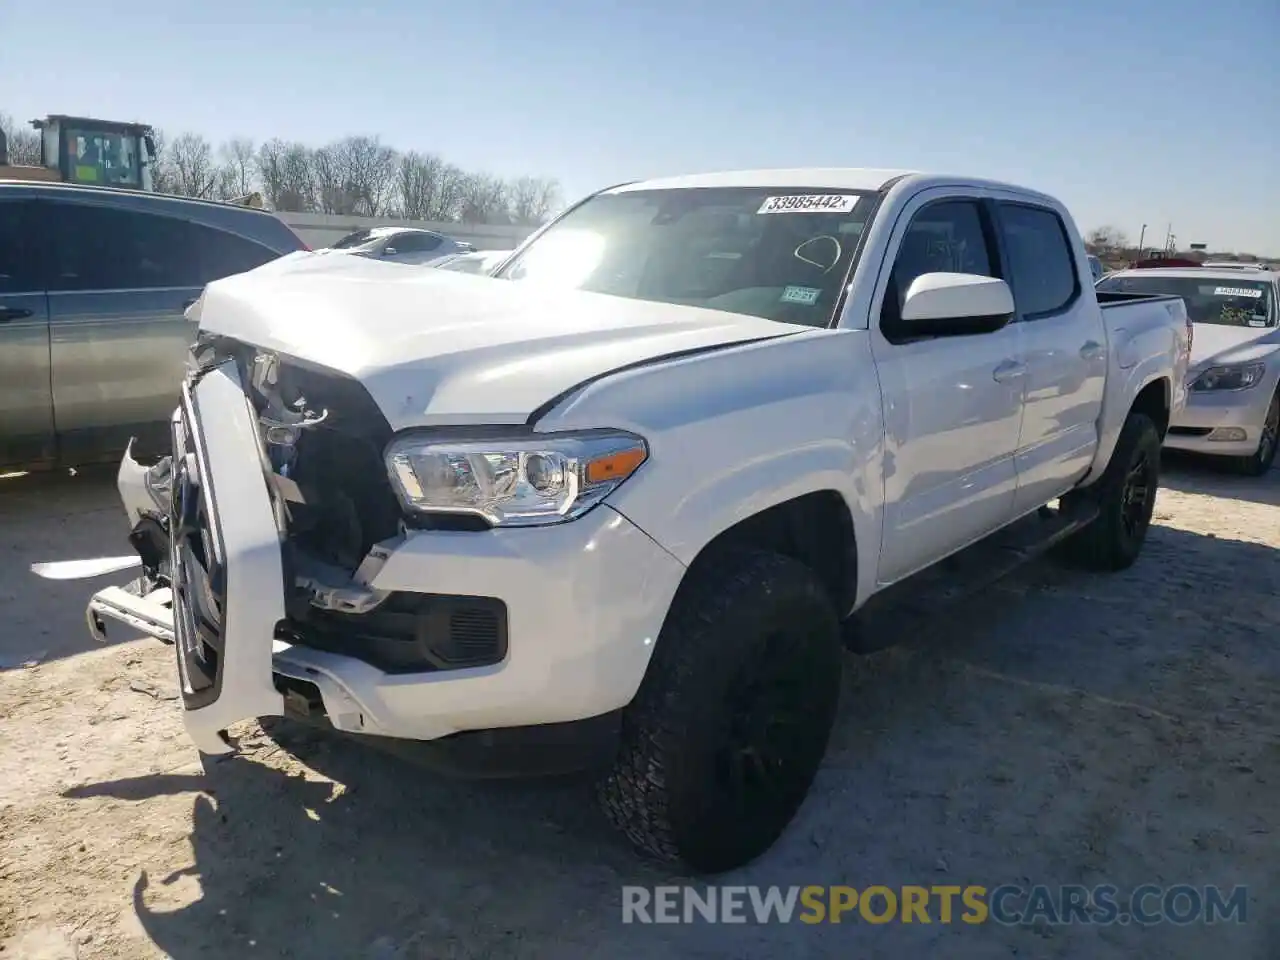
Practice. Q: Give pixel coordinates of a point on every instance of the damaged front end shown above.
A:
(263, 528)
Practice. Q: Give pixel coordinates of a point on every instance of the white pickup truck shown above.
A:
(620, 505)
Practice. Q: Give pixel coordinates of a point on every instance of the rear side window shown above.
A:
(108, 248)
(19, 246)
(1042, 269)
(415, 242)
(222, 254)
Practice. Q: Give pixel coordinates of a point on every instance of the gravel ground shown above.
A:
(1056, 728)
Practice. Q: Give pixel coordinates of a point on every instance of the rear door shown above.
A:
(1065, 350)
(26, 401)
(120, 280)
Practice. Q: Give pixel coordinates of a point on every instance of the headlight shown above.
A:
(1240, 377)
(521, 481)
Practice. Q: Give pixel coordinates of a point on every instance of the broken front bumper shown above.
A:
(224, 543)
(585, 601)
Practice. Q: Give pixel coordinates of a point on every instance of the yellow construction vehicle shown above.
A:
(105, 153)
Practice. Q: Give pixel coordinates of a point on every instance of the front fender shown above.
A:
(734, 432)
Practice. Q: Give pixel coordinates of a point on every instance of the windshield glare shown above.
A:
(1229, 301)
(778, 254)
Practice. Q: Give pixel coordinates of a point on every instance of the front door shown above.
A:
(952, 404)
(1065, 347)
(26, 401)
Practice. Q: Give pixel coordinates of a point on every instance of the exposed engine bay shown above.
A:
(322, 439)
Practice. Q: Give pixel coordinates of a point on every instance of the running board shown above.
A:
(888, 614)
(151, 614)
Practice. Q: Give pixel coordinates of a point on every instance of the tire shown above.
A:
(745, 681)
(1125, 496)
(1265, 455)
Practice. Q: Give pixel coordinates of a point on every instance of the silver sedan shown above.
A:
(1233, 401)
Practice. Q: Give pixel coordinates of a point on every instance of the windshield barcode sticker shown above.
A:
(809, 203)
(1253, 294)
(805, 295)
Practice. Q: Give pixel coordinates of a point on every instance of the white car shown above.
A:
(1233, 406)
(399, 245)
(621, 511)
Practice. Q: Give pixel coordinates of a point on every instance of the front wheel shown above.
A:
(724, 737)
(1268, 441)
(1125, 497)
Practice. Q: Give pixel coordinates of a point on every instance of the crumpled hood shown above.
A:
(1216, 344)
(440, 347)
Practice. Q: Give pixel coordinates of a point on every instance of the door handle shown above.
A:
(14, 313)
(1009, 370)
(1092, 350)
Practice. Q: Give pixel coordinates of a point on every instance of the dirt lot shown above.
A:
(1058, 728)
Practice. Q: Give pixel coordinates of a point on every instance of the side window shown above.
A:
(223, 254)
(944, 237)
(19, 249)
(109, 248)
(415, 242)
(1042, 269)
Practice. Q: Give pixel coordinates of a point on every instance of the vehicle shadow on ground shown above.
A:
(1058, 727)
(56, 516)
(1188, 473)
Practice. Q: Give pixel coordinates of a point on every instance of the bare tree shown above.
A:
(23, 142)
(237, 174)
(429, 188)
(532, 199)
(484, 200)
(1106, 239)
(190, 161)
(287, 175)
(355, 175)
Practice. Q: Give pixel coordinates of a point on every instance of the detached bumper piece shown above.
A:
(151, 614)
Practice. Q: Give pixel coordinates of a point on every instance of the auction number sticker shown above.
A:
(809, 203)
(1252, 293)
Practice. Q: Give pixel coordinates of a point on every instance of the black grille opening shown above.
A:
(410, 632)
(1190, 431)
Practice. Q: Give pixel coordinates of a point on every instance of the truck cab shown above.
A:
(104, 153)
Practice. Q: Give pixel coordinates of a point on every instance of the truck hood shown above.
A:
(440, 347)
(1216, 344)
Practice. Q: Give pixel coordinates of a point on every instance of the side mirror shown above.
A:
(388, 251)
(955, 304)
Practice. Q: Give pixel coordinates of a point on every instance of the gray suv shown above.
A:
(93, 287)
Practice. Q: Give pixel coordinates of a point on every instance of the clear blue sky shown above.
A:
(1135, 112)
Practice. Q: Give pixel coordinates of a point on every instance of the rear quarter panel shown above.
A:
(736, 431)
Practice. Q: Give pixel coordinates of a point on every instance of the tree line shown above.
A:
(1112, 245)
(353, 176)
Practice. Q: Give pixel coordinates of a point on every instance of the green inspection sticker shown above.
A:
(805, 295)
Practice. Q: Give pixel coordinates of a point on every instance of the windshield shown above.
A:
(357, 239)
(1230, 302)
(778, 254)
(109, 159)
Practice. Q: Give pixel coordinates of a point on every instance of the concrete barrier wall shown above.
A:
(324, 229)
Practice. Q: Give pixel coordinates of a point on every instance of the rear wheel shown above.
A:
(1126, 498)
(1265, 455)
(730, 725)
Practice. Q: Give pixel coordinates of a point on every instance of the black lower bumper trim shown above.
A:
(542, 750)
